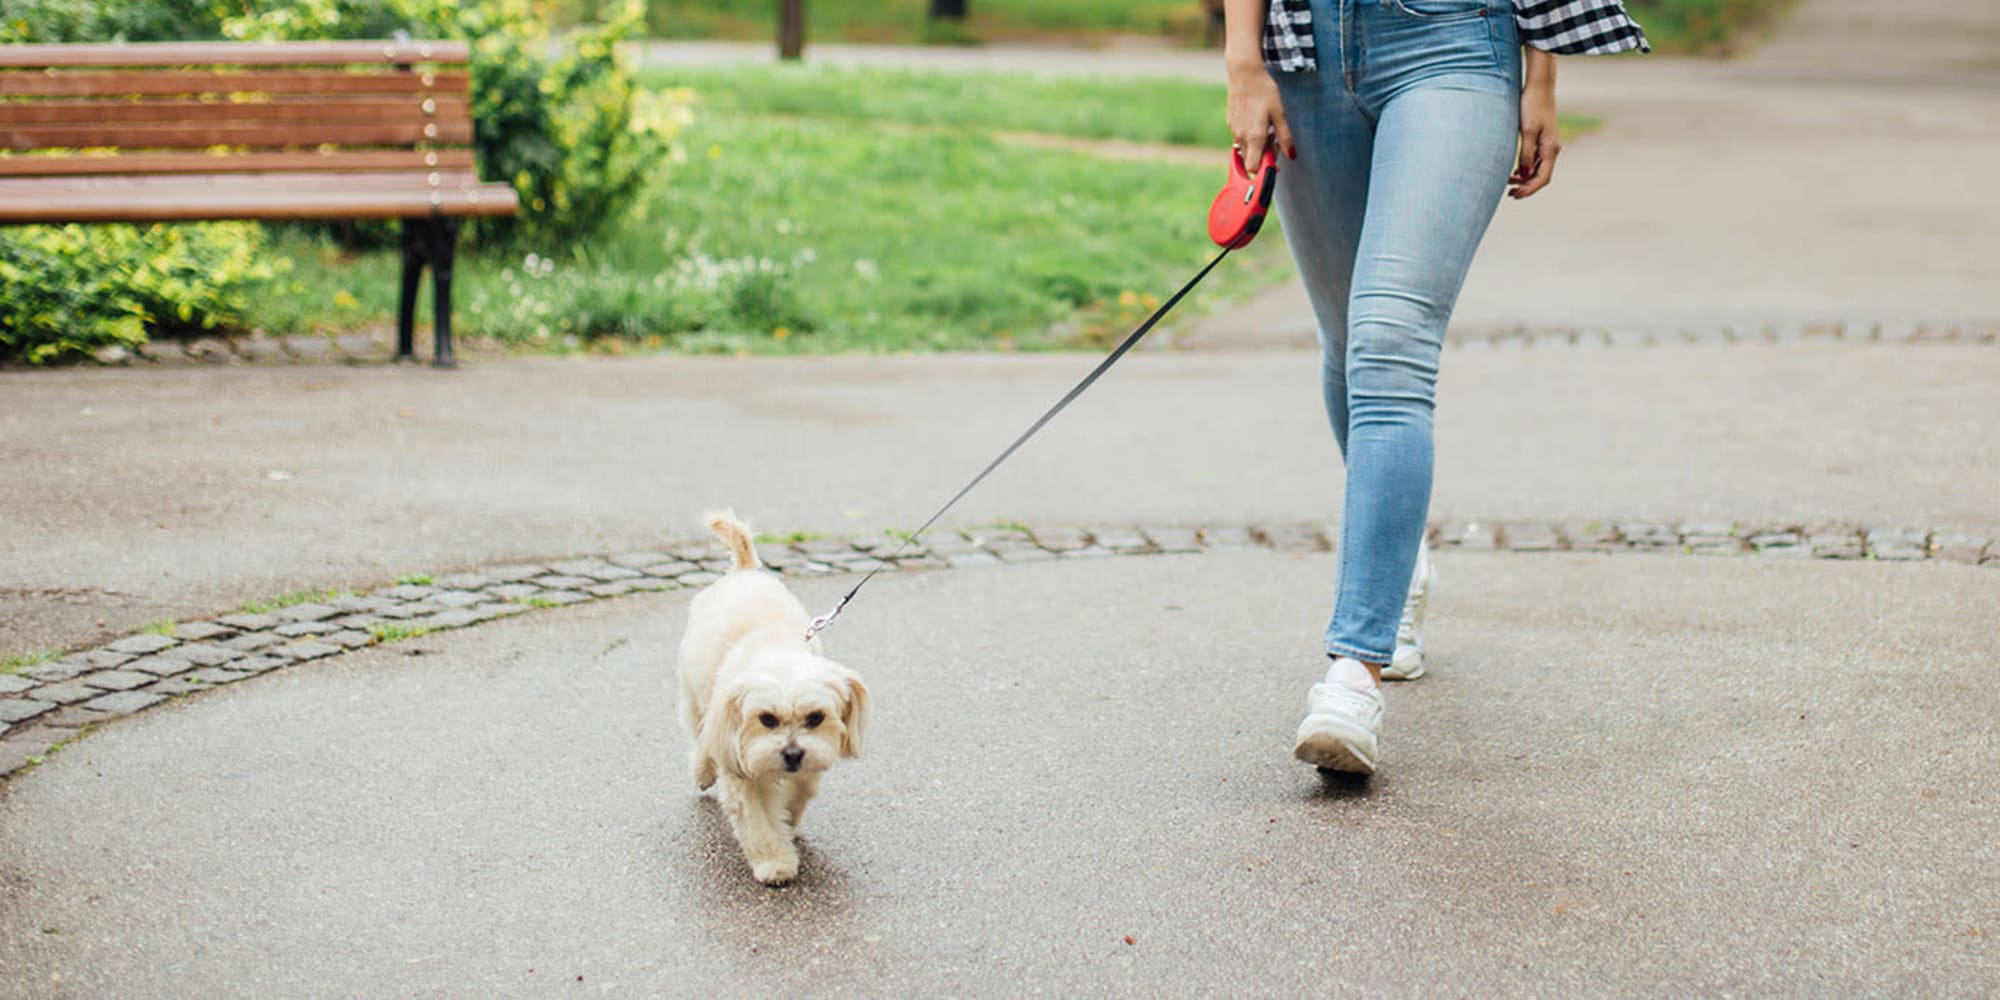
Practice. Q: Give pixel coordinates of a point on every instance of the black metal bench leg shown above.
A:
(443, 249)
(415, 235)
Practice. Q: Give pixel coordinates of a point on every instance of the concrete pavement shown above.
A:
(1626, 777)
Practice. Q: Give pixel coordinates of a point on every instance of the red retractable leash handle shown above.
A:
(1233, 220)
(1239, 208)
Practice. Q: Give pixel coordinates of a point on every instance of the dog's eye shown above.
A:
(770, 721)
(813, 720)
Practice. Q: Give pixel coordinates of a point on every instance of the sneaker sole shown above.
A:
(1404, 671)
(1328, 751)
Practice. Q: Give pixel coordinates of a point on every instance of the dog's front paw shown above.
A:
(776, 871)
(704, 771)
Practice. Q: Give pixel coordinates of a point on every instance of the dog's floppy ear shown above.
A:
(853, 713)
(721, 730)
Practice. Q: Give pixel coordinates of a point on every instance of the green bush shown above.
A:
(95, 21)
(69, 291)
(563, 123)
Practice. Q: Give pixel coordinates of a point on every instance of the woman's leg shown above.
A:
(1441, 155)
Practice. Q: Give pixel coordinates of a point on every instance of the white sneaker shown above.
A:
(1342, 729)
(1408, 662)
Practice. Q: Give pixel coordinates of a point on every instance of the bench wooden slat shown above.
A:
(234, 54)
(248, 162)
(162, 83)
(199, 136)
(267, 197)
(193, 111)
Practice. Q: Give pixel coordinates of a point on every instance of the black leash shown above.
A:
(819, 624)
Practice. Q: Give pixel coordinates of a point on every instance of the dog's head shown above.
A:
(794, 713)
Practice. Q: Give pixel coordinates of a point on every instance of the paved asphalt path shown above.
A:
(1630, 775)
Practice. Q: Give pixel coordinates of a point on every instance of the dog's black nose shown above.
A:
(794, 756)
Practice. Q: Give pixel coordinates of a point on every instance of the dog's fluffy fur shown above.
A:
(767, 711)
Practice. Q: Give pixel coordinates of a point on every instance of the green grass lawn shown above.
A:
(1673, 25)
(907, 20)
(1183, 112)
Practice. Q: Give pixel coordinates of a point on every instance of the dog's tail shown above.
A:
(736, 535)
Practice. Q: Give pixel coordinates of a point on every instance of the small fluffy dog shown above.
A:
(768, 713)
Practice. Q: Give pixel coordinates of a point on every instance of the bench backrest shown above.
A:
(163, 108)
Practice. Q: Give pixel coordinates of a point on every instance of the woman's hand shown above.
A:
(1256, 115)
(1540, 134)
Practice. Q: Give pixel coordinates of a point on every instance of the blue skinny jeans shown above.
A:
(1406, 135)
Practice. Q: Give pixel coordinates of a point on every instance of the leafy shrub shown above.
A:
(95, 21)
(68, 291)
(564, 124)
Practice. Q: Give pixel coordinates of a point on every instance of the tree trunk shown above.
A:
(947, 10)
(791, 29)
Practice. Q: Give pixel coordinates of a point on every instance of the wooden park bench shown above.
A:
(276, 132)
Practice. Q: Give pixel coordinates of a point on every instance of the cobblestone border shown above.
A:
(1978, 333)
(48, 704)
(379, 347)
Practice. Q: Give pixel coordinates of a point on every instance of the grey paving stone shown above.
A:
(1961, 548)
(464, 581)
(1835, 544)
(455, 599)
(1121, 539)
(602, 572)
(414, 609)
(639, 560)
(203, 654)
(931, 561)
(669, 569)
(816, 547)
(176, 685)
(298, 629)
(116, 680)
(75, 717)
(406, 592)
(557, 581)
(61, 670)
(357, 621)
(1786, 551)
(1769, 539)
(512, 591)
(199, 631)
(305, 650)
(1007, 551)
(1901, 545)
(699, 578)
(249, 622)
(1591, 536)
(514, 574)
(66, 694)
(260, 349)
(217, 675)
(15, 683)
(139, 645)
(125, 702)
(250, 642)
(969, 558)
(14, 710)
(561, 597)
(309, 612)
(258, 664)
(1171, 539)
(455, 618)
(649, 583)
(360, 604)
(1480, 536)
(698, 551)
(1708, 530)
(948, 545)
(1061, 539)
(1649, 535)
(500, 610)
(612, 589)
(1530, 536)
(778, 557)
(1716, 547)
(163, 665)
(349, 638)
(1087, 552)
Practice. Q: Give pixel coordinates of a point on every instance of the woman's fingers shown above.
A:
(1283, 130)
(1539, 147)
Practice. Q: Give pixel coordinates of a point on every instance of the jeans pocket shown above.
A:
(1440, 10)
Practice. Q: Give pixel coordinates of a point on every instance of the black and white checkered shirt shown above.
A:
(1565, 27)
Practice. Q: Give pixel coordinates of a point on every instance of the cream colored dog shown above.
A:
(767, 712)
